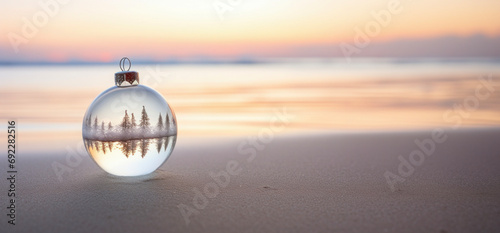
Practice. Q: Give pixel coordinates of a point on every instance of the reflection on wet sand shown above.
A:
(129, 147)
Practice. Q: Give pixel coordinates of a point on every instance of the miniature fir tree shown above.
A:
(126, 121)
(160, 123)
(144, 119)
(96, 126)
(133, 124)
(167, 125)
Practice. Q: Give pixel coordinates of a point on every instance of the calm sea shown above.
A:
(212, 100)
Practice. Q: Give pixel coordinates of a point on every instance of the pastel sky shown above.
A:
(106, 30)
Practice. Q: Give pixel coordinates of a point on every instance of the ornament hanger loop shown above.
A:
(122, 63)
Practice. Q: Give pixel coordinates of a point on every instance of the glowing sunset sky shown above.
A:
(106, 30)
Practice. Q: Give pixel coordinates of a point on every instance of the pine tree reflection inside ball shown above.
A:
(129, 129)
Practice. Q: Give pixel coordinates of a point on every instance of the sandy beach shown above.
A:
(310, 183)
(272, 116)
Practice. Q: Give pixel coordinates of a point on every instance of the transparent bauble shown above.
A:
(129, 129)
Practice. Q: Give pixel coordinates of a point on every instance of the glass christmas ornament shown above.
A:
(129, 129)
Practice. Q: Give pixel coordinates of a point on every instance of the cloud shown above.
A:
(477, 45)
(452, 46)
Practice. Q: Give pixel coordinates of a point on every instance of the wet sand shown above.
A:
(310, 183)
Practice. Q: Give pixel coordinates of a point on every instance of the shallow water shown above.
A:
(49, 102)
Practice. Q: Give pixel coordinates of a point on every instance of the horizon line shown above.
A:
(264, 60)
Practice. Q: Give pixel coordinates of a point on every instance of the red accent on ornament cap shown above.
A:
(125, 77)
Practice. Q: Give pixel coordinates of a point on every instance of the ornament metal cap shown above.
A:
(126, 77)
